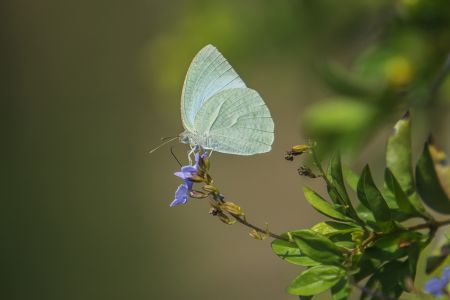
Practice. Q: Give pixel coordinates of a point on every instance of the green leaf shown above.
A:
(400, 198)
(394, 245)
(371, 288)
(370, 196)
(288, 251)
(428, 184)
(387, 281)
(435, 261)
(367, 266)
(330, 228)
(318, 247)
(336, 177)
(344, 82)
(322, 206)
(398, 154)
(316, 280)
(337, 116)
(341, 291)
(350, 177)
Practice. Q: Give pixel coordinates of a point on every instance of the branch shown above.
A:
(243, 221)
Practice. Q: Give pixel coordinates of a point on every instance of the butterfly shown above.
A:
(219, 112)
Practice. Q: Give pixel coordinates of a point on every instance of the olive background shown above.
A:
(91, 86)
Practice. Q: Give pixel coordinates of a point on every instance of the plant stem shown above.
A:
(432, 225)
(243, 221)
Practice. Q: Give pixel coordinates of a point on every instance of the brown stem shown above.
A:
(432, 225)
(243, 221)
(264, 231)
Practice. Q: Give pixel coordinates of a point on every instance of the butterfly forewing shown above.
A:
(208, 74)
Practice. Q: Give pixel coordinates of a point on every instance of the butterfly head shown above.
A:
(187, 138)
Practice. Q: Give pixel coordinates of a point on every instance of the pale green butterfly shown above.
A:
(219, 112)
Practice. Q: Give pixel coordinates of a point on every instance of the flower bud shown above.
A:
(196, 178)
(257, 235)
(203, 163)
(208, 179)
(225, 219)
(299, 149)
(197, 194)
(357, 236)
(296, 150)
(210, 188)
(232, 208)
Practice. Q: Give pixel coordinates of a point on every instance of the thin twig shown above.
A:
(264, 231)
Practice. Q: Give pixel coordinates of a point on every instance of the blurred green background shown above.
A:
(91, 86)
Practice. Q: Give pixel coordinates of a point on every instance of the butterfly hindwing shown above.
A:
(236, 121)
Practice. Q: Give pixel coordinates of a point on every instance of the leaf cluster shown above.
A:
(365, 242)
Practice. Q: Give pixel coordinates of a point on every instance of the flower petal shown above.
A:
(446, 274)
(182, 175)
(189, 169)
(181, 195)
(435, 286)
(188, 184)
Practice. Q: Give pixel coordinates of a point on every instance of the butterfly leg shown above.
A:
(190, 154)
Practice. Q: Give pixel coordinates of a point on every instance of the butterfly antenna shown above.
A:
(174, 156)
(165, 141)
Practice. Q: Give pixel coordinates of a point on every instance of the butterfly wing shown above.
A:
(235, 121)
(208, 74)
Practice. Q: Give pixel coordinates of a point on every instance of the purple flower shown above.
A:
(181, 195)
(437, 286)
(186, 172)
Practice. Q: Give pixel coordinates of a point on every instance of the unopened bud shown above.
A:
(196, 178)
(299, 149)
(197, 194)
(232, 208)
(210, 188)
(296, 150)
(203, 163)
(257, 235)
(357, 236)
(225, 219)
